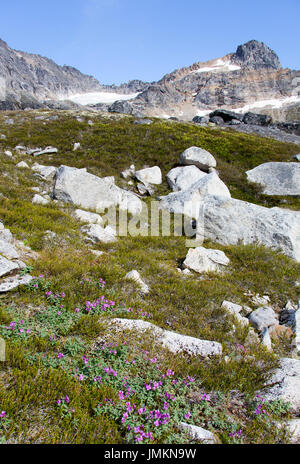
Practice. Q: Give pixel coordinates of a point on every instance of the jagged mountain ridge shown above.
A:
(252, 74)
(27, 80)
(238, 80)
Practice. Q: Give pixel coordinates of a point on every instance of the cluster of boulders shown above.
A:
(232, 118)
(146, 178)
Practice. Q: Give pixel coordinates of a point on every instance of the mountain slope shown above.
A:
(252, 74)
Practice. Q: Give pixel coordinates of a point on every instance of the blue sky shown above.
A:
(118, 40)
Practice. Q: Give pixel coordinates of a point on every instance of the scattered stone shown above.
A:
(46, 151)
(227, 116)
(45, 172)
(10, 283)
(96, 233)
(262, 318)
(288, 316)
(143, 121)
(297, 157)
(230, 222)
(39, 200)
(135, 276)
(149, 175)
(128, 172)
(176, 343)
(266, 339)
(76, 146)
(22, 165)
(182, 178)
(217, 120)
(277, 178)
(145, 189)
(2, 137)
(206, 260)
(257, 119)
(97, 253)
(285, 384)
(198, 157)
(201, 120)
(8, 153)
(198, 433)
(90, 218)
(260, 300)
(297, 330)
(87, 191)
(9, 122)
(234, 310)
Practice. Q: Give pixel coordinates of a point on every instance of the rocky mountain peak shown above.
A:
(256, 55)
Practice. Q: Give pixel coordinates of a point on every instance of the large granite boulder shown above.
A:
(182, 178)
(264, 317)
(198, 157)
(229, 222)
(188, 202)
(82, 189)
(277, 178)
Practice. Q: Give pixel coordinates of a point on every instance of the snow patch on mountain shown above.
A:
(92, 98)
(219, 66)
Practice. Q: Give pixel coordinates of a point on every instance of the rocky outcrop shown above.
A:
(277, 178)
(229, 222)
(182, 178)
(87, 191)
(256, 55)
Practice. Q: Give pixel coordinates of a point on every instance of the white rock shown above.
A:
(266, 339)
(90, 192)
(46, 151)
(182, 178)
(22, 164)
(8, 153)
(76, 146)
(45, 172)
(8, 250)
(285, 384)
(264, 317)
(198, 157)
(201, 259)
(96, 233)
(198, 433)
(277, 178)
(85, 216)
(176, 343)
(97, 253)
(235, 309)
(189, 202)
(128, 172)
(149, 175)
(135, 276)
(39, 200)
(229, 222)
(2, 136)
(6, 266)
(10, 283)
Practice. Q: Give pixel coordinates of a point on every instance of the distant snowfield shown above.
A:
(220, 65)
(275, 103)
(92, 98)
